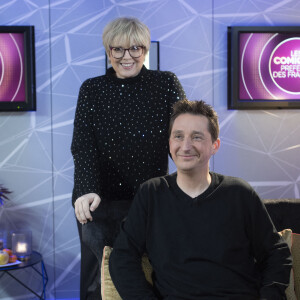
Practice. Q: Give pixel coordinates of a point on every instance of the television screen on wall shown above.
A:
(17, 68)
(263, 67)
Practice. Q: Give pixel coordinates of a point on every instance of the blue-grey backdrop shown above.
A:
(262, 147)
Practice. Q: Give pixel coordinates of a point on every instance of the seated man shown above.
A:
(207, 236)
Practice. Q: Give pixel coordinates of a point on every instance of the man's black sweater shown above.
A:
(219, 245)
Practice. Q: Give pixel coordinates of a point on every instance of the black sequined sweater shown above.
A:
(120, 136)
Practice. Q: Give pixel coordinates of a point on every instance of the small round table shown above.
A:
(35, 259)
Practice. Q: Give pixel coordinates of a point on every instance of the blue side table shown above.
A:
(35, 259)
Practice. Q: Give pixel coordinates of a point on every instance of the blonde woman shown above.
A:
(120, 140)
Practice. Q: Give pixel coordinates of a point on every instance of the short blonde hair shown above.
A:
(126, 31)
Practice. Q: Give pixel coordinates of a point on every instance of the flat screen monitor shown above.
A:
(17, 68)
(263, 67)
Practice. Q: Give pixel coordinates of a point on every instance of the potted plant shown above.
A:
(3, 194)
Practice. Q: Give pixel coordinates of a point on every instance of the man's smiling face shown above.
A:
(191, 144)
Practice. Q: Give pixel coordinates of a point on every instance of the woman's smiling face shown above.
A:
(126, 66)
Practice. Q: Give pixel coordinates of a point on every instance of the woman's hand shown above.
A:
(84, 205)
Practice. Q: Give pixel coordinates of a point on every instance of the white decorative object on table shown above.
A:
(21, 244)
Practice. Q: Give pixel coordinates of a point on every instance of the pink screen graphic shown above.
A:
(269, 66)
(12, 68)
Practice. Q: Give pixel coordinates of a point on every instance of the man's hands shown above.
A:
(84, 205)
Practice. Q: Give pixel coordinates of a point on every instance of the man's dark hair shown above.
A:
(196, 108)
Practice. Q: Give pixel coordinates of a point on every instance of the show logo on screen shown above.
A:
(284, 67)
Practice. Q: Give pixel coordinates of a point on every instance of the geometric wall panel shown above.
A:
(261, 146)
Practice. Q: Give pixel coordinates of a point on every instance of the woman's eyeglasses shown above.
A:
(119, 52)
